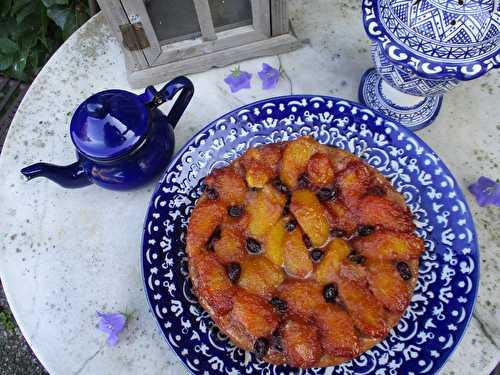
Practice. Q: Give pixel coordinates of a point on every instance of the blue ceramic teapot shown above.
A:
(122, 140)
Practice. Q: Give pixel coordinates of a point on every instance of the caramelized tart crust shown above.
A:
(302, 253)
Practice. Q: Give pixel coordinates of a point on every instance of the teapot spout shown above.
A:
(69, 176)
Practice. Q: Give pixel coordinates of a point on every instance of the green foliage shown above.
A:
(7, 321)
(31, 30)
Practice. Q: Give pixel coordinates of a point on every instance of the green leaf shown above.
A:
(25, 12)
(7, 46)
(52, 45)
(76, 19)
(20, 69)
(17, 5)
(44, 19)
(28, 41)
(23, 76)
(8, 26)
(31, 30)
(6, 61)
(5, 7)
(25, 28)
(34, 59)
(20, 64)
(59, 15)
(37, 57)
(49, 3)
(7, 321)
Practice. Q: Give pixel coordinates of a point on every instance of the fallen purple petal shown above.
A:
(112, 324)
(486, 191)
(238, 80)
(112, 339)
(269, 76)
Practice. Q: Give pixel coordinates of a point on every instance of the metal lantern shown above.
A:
(165, 38)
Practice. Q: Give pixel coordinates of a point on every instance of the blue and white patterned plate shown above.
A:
(449, 271)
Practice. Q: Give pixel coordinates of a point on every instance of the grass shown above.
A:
(7, 321)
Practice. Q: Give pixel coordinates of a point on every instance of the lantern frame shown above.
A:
(150, 60)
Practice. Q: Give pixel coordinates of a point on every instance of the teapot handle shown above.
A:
(154, 98)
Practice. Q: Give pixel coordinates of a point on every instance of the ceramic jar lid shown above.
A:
(436, 38)
(109, 124)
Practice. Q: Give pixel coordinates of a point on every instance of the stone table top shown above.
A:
(67, 253)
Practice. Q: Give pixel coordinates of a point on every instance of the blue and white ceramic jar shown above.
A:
(422, 49)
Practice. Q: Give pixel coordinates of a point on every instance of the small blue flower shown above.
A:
(112, 324)
(269, 76)
(486, 191)
(238, 79)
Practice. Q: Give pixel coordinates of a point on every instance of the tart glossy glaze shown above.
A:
(302, 253)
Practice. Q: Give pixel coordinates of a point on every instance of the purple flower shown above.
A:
(269, 76)
(238, 79)
(112, 324)
(486, 191)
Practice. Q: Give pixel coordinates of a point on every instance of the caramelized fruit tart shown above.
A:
(302, 253)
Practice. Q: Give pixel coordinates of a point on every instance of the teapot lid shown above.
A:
(109, 124)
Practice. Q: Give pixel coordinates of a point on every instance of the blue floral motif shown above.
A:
(436, 39)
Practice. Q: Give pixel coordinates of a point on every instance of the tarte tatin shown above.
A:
(302, 253)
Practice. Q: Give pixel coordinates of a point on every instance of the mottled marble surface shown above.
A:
(66, 253)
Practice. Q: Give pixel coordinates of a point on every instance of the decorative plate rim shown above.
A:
(180, 152)
(425, 67)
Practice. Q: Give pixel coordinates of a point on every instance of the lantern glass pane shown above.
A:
(228, 14)
(173, 20)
